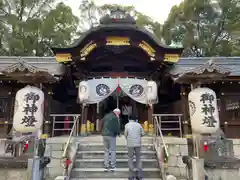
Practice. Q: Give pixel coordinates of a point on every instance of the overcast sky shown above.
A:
(156, 9)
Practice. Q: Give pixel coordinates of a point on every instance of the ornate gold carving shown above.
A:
(147, 48)
(117, 41)
(171, 58)
(88, 49)
(61, 57)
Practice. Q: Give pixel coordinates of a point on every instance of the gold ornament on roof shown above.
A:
(171, 58)
(147, 48)
(63, 57)
(88, 49)
(117, 41)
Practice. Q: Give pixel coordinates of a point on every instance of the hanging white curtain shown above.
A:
(101, 88)
(135, 89)
(152, 92)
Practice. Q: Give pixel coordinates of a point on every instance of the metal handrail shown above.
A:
(167, 114)
(70, 137)
(157, 129)
(179, 116)
(161, 136)
(62, 115)
(62, 122)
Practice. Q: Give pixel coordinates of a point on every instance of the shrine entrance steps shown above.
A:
(88, 162)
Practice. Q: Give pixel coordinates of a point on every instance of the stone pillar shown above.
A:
(197, 169)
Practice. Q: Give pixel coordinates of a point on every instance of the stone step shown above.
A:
(99, 138)
(100, 147)
(119, 155)
(121, 163)
(113, 179)
(118, 173)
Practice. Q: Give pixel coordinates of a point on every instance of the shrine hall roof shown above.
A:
(47, 64)
(184, 65)
(191, 63)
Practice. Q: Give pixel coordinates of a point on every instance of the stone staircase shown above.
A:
(88, 162)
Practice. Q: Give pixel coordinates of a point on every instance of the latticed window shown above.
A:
(232, 105)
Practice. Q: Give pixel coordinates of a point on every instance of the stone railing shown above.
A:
(225, 170)
(236, 148)
(177, 148)
(54, 150)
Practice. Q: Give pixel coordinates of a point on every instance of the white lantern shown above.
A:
(83, 91)
(28, 110)
(203, 111)
(152, 93)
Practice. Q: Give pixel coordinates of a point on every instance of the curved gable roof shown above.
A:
(118, 20)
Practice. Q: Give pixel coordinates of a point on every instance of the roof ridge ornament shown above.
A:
(210, 67)
(117, 15)
(210, 62)
(22, 66)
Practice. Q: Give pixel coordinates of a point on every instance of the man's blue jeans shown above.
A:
(109, 151)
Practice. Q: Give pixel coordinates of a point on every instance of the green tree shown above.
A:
(204, 27)
(89, 13)
(31, 27)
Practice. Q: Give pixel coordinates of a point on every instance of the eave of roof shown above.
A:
(186, 65)
(183, 66)
(108, 27)
(45, 64)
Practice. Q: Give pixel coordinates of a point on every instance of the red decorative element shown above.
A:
(118, 89)
(68, 162)
(118, 74)
(115, 20)
(26, 146)
(205, 147)
(67, 122)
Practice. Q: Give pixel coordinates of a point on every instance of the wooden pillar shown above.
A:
(8, 122)
(86, 114)
(84, 119)
(184, 105)
(150, 118)
(223, 114)
(226, 128)
(48, 105)
(94, 117)
(98, 118)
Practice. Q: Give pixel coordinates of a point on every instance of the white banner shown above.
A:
(100, 89)
(135, 89)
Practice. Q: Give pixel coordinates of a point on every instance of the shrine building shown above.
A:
(117, 58)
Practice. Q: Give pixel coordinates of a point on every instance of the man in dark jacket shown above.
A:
(110, 130)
